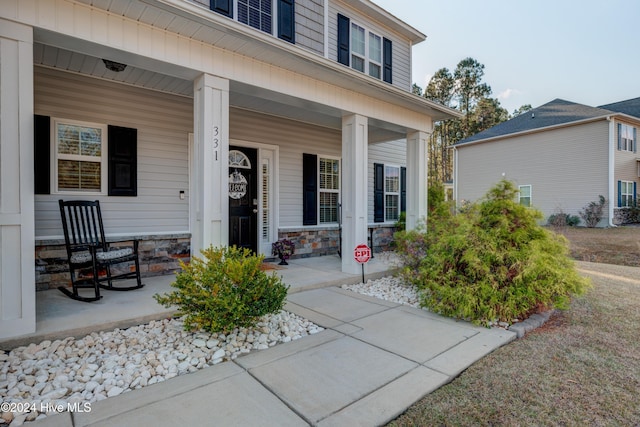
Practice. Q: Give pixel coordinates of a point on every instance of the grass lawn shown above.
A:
(581, 369)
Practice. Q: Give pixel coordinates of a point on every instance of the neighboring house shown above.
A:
(198, 122)
(562, 155)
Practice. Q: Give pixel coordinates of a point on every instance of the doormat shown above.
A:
(268, 266)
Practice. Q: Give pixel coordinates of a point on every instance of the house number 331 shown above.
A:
(216, 141)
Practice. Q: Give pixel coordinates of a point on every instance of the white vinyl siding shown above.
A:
(401, 54)
(163, 122)
(393, 153)
(544, 160)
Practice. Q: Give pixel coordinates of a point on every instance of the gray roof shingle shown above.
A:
(630, 107)
(552, 113)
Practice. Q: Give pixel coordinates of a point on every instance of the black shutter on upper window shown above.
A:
(619, 136)
(123, 162)
(41, 154)
(309, 189)
(343, 40)
(403, 189)
(287, 20)
(378, 192)
(223, 7)
(387, 53)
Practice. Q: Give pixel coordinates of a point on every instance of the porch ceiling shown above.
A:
(240, 95)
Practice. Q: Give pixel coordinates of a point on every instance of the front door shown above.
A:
(243, 197)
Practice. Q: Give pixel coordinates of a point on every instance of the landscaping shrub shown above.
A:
(492, 262)
(561, 219)
(593, 213)
(223, 290)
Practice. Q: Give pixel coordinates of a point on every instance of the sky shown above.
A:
(583, 51)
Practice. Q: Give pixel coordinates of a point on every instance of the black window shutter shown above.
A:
(286, 20)
(403, 189)
(41, 154)
(343, 40)
(378, 192)
(619, 136)
(619, 194)
(387, 52)
(309, 189)
(224, 7)
(123, 162)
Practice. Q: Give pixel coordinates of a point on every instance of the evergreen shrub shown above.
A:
(490, 262)
(224, 289)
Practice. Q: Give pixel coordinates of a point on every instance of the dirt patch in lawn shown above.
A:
(620, 245)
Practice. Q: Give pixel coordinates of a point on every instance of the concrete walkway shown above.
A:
(374, 360)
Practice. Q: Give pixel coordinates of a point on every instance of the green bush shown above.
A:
(224, 290)
(490, 262)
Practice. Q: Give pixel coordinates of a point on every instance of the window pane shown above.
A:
(90, 142)
(68, 139)
(525, 191)
(357, 39)
(374, 70)
(328, 207)
(255, 13)
(391, 207)
(357, 63)
(329, 174)
(391, 179)
(75, 175)
(375, 49)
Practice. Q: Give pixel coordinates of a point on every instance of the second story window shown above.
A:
(255, 13)
(364, 50)
(626, 137)
(260, 14)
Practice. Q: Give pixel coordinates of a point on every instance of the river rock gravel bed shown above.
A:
(38, 379)
(387, 288)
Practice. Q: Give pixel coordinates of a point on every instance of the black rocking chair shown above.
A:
(87, 248)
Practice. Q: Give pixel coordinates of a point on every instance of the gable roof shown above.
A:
(630, 107)
(553, 113)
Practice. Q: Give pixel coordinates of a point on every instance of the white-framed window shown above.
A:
(328, 189)
(626, 194)
(524, 195)
(391, 193)
(627, 139)
(255, 13)
(79, 160)
(366, 51)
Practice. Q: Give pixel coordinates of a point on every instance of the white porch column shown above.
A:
(209, 207)
(354, 189)
(417, 176)
(17, 227)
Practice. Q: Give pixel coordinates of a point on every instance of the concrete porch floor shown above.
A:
(58, 316)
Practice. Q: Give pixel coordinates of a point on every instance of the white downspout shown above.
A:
(455, 176)
(612, 164)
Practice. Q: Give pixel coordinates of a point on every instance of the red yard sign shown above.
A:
(362, 254)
